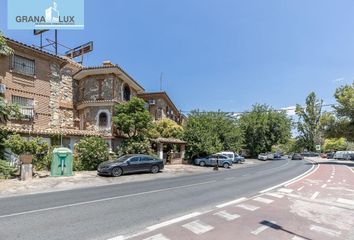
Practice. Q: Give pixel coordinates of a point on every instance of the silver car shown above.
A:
(223, 161)
(262, 156)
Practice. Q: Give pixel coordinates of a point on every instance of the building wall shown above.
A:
(50, 88)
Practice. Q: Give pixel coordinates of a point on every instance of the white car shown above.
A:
(262, 156)
(234, 156)
(343, 155)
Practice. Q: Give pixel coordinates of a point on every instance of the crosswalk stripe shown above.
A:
(275, 195)
(226, 215)
(247, 207)
(157, 237)
(325, 230)
(261, 229)
(285, 190)
(263, 200)
(198, 227)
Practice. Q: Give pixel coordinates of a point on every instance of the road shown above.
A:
(114, 210)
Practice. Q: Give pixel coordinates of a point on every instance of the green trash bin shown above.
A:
(62, 162)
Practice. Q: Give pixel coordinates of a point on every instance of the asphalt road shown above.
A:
(108, 211)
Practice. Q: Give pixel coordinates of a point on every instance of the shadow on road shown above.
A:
(278, 227)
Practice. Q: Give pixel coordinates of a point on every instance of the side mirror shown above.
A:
(128, 162)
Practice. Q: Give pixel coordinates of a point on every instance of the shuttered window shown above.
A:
(23, 65)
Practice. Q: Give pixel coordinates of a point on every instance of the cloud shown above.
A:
(337, 80)
(290, 110)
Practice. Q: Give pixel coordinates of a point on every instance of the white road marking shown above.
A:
(117, 238)
(329, 180)
(285, 190)
(315, 195)
(263, 200)
(324, 185)
(231, 202)
(172, 221)
(295, 179)
(300, 188)
(198, 227)
(325, 230)
(247, 207)
(345, 201)
(226, 215)
(157, 237)
(260, 229)
(331, 177)
(104, 199)
(297, 238)
(275, 195)
(344, 180)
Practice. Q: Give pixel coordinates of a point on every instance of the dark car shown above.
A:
(130, 164)
(330, 155)
(277, 155)
(310, 154)
(297, 156)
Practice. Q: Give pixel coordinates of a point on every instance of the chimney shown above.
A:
(107, 63)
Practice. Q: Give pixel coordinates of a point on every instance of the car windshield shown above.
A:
(229, 155)
(121, 159)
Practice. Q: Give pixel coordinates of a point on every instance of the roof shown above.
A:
(168, 140)
(112, 67)
(38, 50)
(146, 96)
(70, 132)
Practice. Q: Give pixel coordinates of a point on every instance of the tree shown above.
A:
(264, 127)
(132, 118)
(309, 126)
(91, 151)
(342, 125)
(8, 111)
(168, 128)
(211, 132)
(4, 48)
(135, 122)
(335, 144)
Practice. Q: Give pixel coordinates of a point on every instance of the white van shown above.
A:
(343, 155)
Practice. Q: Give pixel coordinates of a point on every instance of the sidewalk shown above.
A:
(318, 206)
(90, 179)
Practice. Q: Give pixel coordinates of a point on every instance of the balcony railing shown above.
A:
(27, 112)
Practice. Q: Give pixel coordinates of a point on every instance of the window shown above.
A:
(26, 105)
(126, 92)
(23, 65)
(147, 159)
(103, 120)
(134, 160)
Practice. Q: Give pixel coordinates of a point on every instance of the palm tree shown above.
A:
(4, 49)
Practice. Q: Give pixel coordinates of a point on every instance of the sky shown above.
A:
(219, 54)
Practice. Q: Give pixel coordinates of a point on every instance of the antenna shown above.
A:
(161, 81)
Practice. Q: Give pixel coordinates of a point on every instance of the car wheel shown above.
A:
(117, 171)
(226, 165)
(202, 164)
(155, 169)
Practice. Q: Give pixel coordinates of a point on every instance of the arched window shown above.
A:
(126, 92)
(103, 119)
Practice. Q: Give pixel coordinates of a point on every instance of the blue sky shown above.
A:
(220, 54)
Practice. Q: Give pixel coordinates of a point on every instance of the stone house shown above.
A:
(98, 89)
(42, 85)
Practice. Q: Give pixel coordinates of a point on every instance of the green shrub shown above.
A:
(91, 151)
(6, 170)
(135, 146)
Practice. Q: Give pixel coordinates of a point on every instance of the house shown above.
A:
(161, 106)
(98, 90)
(63, 101)
(42, 85)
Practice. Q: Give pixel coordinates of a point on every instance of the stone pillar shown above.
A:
(160, 150)
(183, 150)
(26, 172)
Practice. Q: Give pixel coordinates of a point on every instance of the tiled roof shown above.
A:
(111, 66)
(69, 132)
(35, 49)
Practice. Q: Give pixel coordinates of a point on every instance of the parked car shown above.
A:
(270, 156)
(130, 164)
(223, 161)
(343, 155)
(330, 155)
(297, 156)
(323, 155)
(277, 155)
(262, 156)
(234, 156)
(310, 154)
